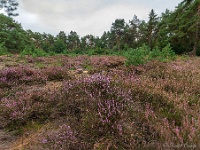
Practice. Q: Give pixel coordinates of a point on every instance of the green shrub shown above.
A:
(27, 51)
(78, 51)
(167, 54)
(34, 52)
(98, 51)
(155, 54)
(137, 56)
(59, 46)
(3, 49)
(38, 53)
(143, 55)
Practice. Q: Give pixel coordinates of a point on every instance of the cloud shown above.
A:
(83, 16)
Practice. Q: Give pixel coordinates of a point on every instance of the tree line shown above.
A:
(178, 28)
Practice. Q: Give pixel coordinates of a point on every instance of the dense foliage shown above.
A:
(178, 28)
(12, 36)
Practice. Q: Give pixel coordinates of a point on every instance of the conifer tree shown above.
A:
(118, 28)
(152, 29)
(181, 27)
(9, 6)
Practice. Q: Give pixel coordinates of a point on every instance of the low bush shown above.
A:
(143, 55)
(34, 52)
(18, 75)
(56, 73)
(3, 50)
(137, 56)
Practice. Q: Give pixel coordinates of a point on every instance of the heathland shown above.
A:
(98, 102)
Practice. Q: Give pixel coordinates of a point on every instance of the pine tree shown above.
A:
(73, 41)
(152, 29)
(134, 31)
(13, 36)
(182, 27)
(9, 6)
(118, 28)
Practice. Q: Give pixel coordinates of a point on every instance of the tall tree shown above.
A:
(197, 32)
(59, 46)
(152, 29)
(88, 41)
(104, 40)
(184, 27)
(142, 33)
(134, 30)
(62, 36)
(165, 32)
(12, 35)
(118, 28)
(9, 6)
(36, 38)
(73, 41)
(47, 42)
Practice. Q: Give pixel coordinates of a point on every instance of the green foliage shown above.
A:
(15, 39)
(34, 52)
(27, 50)
(59, 46)
(165, 55)
(152, 29)
(168, 53)
(143, 54)
(137, 56)
(97, 51)
(3, 49)
(179, 28)
(39, 53)
(77, 51)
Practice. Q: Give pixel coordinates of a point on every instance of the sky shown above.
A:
(84, 16)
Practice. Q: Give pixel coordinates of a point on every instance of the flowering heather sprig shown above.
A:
(110, 113)
(171, 132)
(4, 83)
(190, 126)
(149, 113)
(11, 74)
(56, 73)
(16, 108)
(64, 138)
(74, 62)
(177, 131)
(27, 105)
(20, 75)
(106, 62)
(105, 98)
(93, 86)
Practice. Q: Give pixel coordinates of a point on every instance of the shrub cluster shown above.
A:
(143, 54)
(13, 76)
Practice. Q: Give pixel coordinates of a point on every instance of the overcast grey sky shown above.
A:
(84, 16)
